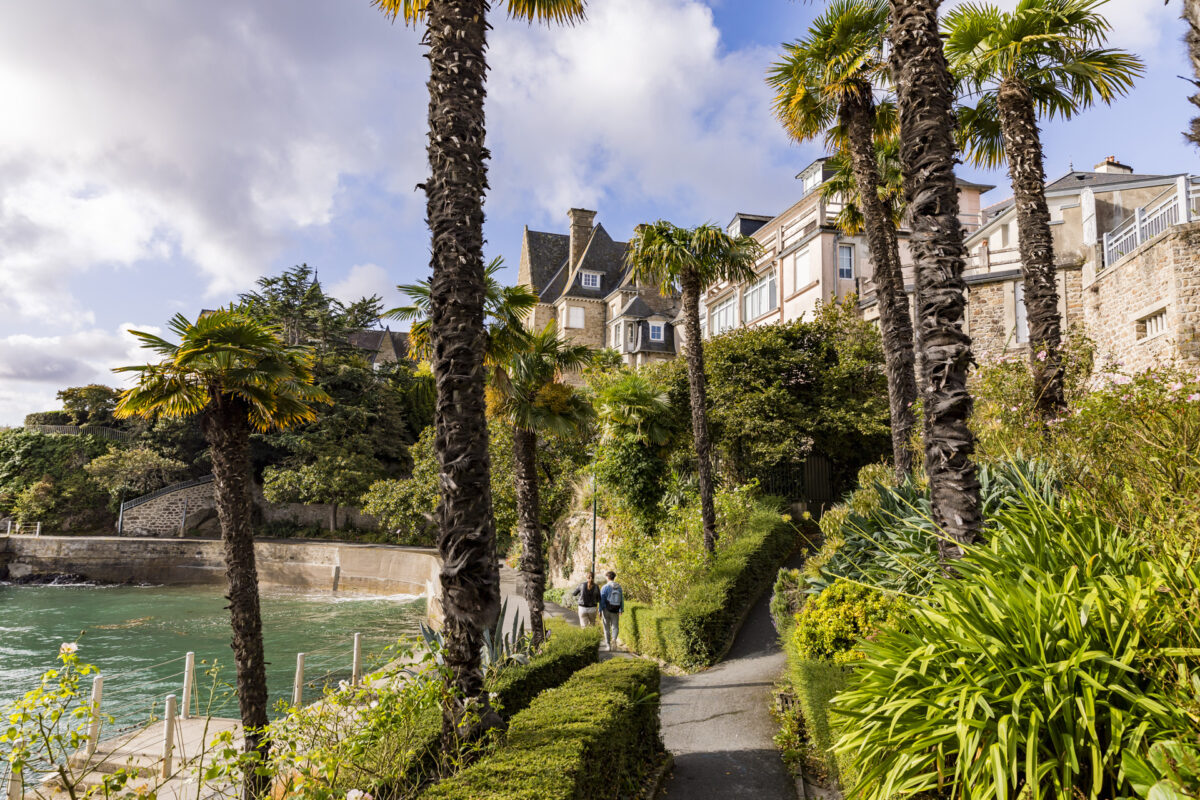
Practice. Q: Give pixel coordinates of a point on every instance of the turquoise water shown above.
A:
(138, 635)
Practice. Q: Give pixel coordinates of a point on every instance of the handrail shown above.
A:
(175, 487)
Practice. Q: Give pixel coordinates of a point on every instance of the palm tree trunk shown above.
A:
(1191, 15)
(690, 289)
(228, 433)
(926, 99)
(457, 38)
(858, 116)
(1023, 149)
(530, 527)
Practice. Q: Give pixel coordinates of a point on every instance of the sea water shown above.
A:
(137, 637)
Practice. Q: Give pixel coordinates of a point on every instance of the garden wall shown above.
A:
(324, 566)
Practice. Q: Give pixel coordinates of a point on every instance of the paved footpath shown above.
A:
(718, 722)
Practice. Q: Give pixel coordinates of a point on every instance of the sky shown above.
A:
(159, 157)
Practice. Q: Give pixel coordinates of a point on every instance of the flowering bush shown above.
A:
(832, 624)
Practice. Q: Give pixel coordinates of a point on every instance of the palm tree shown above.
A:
(1191, 15)
(690, 261)
(1046, 58)
(631, 406)
(456, 35)
(236, 374)
(829, 78)
(925, 101)
(503, 308)
(529, 395)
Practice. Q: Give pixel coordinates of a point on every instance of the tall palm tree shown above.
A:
(528, 394)
(1191, 15)
(827, 79)
(236, 374)
(1045, 59)
(631, 406)
(925, 101)
(690, 261)
(503, 309)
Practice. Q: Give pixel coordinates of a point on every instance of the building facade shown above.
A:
(587, 290)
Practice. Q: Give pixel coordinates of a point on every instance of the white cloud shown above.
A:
(208, 133)
(34, 368)
(364, 280)
(639, 104)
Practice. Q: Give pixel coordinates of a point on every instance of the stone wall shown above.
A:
(595, 328)
(165, 515)
(323, 566)
(992, 312)
(1161, 275)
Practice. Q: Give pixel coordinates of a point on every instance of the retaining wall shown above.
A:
(327, 566)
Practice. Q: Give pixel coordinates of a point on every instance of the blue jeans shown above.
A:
(612, 626)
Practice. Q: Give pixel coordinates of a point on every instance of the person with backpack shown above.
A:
(612, 605)
(587, 598)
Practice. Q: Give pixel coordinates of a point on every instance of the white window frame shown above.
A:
(1020, 314)
(589, 280)
(661, 329)
(724, 315)
(576, 314)
(797, 283)
(761, 297)
(845, 248)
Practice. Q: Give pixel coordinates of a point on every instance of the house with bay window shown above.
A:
(806, 259)
(586, 288)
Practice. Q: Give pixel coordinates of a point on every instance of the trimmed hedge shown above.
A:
(596, 736)
(698, 631)
(568, 650)
(815, 682)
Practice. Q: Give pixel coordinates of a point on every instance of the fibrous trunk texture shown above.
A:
(690, 289)
(925, 100)
(227, 430)
(528, 515)
(1023, 149)
(457, 39)
(1191, 15)
(858, 117)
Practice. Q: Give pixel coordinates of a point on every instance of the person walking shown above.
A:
(612, 605)
(587, 598)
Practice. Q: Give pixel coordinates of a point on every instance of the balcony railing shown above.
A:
(1175, 206)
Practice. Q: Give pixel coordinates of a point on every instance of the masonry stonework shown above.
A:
(1145, 310)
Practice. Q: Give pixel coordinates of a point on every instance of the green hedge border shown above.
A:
(568, 650)
(814, 683)
(701, 628)
(596, 736)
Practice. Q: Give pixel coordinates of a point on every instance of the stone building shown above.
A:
(381, 347)
(586, 289)
(1124, 244)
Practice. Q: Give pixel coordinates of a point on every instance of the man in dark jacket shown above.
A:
(587, 597)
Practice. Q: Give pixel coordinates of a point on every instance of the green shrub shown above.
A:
(832, 624)
(815, 684)
(568, 650)
(653, 632)
(596, 736)
(1034, 669)
(787, 596)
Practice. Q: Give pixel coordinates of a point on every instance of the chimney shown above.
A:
(581, 231)
(1111, 166)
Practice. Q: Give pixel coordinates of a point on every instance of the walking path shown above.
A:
(717, 723)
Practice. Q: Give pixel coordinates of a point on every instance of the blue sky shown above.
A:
(159, 157)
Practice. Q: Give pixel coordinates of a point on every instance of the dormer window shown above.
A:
(656, 332)
(590, 280)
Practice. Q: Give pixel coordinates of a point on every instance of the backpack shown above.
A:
(616, 602)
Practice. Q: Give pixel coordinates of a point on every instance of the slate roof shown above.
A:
(744, 224)
(1076, 181)
(643, 344)
(548, 253)
(372, 342)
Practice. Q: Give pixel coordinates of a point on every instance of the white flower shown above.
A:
(67, 647)
(357, 794)
(1041, 356)
(1194, 398)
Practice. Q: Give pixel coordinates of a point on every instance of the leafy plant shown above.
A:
(834, 623)
(1034, 669)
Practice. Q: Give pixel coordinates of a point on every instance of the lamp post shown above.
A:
(593, 512)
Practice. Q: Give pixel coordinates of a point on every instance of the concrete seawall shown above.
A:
(329, 566)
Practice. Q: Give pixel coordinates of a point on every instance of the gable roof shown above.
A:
(548, 253)
(1076, 181)
(375, 342)
(604, 256)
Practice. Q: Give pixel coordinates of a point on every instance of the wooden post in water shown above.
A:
(16, 781)
(298, 685)
(94, 723)
(356, 664)
(168, 737)
(189, 679)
